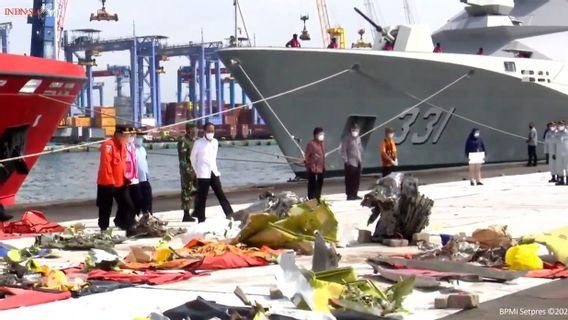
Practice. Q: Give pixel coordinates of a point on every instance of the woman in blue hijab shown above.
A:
(474, 144)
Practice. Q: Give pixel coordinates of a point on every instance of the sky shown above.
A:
(269, 22)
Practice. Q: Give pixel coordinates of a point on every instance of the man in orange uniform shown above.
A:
(388, 152)
(112, 184)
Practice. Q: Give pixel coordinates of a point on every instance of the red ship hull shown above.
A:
(35, 94)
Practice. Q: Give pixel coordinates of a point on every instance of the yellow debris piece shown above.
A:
(556, 241)
(523, 257)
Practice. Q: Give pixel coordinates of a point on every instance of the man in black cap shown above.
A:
(112, 183)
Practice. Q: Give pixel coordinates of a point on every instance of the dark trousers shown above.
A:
(352, 180)
(136, 197)
(547, 158)
(388, 170)
(315, 184)
(146, 192)
(124, 218)
(202, 190)
(532, 156)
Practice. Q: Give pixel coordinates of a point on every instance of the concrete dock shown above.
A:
(515, 196)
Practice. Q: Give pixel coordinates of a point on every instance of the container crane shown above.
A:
(61, 15)
(4, 34)
(43, 29)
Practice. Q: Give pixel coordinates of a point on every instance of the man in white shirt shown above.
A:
(204, 163)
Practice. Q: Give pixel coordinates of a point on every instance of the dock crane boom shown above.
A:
(371, 11)
(324, 21)
(61, 15)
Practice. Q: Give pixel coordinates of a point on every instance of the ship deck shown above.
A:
(515, 195)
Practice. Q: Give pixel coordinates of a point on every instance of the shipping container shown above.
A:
(105, 122)
(109, 131)
(81, 122)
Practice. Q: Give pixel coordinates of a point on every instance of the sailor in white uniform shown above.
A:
(561, 152)
(548, 149)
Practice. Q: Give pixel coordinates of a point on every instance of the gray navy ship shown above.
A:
(522, 78)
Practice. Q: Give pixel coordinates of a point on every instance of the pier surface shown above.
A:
(515, 196)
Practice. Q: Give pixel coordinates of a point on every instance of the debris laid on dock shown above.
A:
(401, 210)
(278, 204)
(293, 232)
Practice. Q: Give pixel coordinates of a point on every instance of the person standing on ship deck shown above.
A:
(532, 142)
(474, 144)
(314, 160)
(294, 43)
(204, 162)
(186, 172)
(389, 152)
(143, 174)
(112, 184)
(333, 44)
(351, 151)
(438, 48)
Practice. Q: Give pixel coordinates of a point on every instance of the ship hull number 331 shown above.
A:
(436, 120)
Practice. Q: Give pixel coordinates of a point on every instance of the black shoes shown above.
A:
(187, 217)
(354, 198)
(471, 183)
(479, 183)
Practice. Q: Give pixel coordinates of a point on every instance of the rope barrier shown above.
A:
(446, 87)
(250, 104)
(225, 159)
(272, 110)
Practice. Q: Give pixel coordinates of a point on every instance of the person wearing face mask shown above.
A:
(187, 174)
(389, 152)
(549, 149)
(314, 160)
(351, 151)
(112, 183)
(546, 133)
(132, 171)
(204, 162)
(143, 174)
(561, 153)
(474, 144)
(532, 142)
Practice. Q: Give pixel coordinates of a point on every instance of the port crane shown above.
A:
(326, 30)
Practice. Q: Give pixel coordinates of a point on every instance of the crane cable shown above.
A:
(250, 104)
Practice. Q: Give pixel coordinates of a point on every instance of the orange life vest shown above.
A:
(112, 168)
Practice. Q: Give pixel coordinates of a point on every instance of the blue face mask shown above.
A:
(139, 141)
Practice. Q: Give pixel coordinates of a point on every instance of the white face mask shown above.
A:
(139, 141)
(355, 134)
(321, 137)
(391, 135)
(131, 139)
(561, 128)
(476, 134)
(209, 136)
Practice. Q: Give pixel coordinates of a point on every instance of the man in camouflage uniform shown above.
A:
(187, 175)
